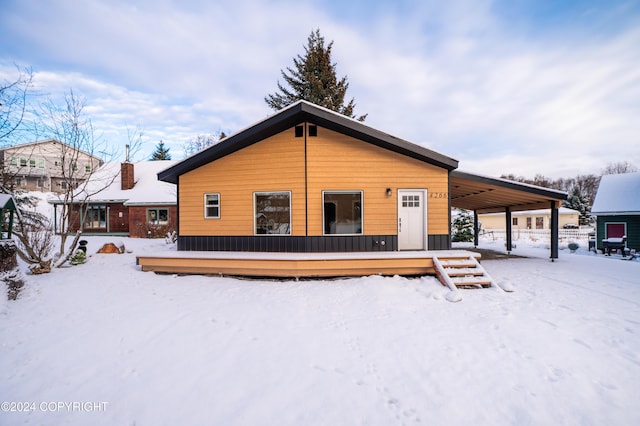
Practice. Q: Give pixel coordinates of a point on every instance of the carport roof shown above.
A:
(492, 195)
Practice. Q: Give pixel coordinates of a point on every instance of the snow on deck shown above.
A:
(422, 254)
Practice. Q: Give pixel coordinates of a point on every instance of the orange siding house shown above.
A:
(307, 179)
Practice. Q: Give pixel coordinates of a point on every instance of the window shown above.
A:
(212, 206)
(96, 217)
(157, 216)
(343, 212)
(41, 163)
(74, 166)
(14, 161)
(514, 221)
(32, 162)
(539, 222)
(410, 201)
(23, 162)
(272, 212)
(528, 223)
(615, 229)
(87, 168)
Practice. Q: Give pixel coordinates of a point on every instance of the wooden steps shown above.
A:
(462, 273)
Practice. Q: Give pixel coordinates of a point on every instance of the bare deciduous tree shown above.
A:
(201, 142)
(619, 168)
(69, 124)
(13, 104)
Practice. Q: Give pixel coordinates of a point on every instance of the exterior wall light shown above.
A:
(389, 192)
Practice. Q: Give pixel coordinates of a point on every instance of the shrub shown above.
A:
(78, 258)
(573, 246)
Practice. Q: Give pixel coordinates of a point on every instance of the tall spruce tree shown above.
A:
(577, 201)
(313, 79)
(161, 153)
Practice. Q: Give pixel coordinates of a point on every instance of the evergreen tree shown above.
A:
(161, 153)
(462, 227)
(577, 201)
(313, 79)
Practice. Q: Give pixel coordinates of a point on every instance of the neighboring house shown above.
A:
(617, 207)
(307, 179)
(530, 219)
(47, 166)
(125, 199)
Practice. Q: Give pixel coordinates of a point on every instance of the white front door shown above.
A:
(412, 220)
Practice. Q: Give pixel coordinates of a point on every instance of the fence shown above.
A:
(564, 235)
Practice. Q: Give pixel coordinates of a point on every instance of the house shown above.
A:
(617, 207)
(123, 199)
(308, 187)
(530, 219)
(47, 166)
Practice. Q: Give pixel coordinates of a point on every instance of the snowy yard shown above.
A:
(135, 348)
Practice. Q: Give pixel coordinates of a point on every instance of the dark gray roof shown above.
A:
(297, 113)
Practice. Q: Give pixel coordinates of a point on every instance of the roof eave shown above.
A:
(305, 112)
(615, 213)
(519, 186)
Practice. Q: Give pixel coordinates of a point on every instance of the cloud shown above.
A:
(476, 80)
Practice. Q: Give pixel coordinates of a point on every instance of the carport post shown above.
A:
(476, 228)
(508, 228)
(554, 231)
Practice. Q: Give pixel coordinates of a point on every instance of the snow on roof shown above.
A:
(7, 199)
(618, 194)
(105, 185)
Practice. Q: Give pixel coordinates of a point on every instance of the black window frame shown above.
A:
(356, 205)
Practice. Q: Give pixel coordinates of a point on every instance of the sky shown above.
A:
(519, 87)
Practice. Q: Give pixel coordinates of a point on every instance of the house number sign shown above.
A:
(438, 194)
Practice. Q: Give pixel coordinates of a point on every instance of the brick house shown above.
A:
(124, 199)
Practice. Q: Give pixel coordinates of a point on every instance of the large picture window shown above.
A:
(157, 216)
(96, 217)
(272, 213)
(342, 212)
(212, 206)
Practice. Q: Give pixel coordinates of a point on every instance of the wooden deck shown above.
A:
(298, 265)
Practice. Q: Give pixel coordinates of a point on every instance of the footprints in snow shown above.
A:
(372, 377)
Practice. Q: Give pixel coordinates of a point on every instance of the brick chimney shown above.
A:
(126, 175)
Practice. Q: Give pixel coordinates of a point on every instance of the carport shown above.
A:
(482, 194)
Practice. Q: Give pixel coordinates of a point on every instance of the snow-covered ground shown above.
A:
(106, 344)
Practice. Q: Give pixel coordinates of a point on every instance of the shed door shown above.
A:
(412, 220)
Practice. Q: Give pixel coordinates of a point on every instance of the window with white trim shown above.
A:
(272, 213)
(212, 206)
(342, 212)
